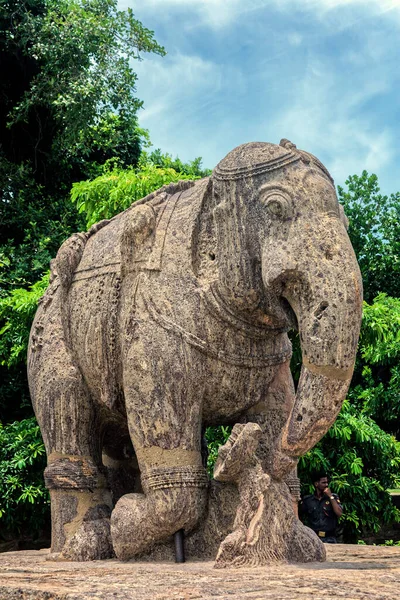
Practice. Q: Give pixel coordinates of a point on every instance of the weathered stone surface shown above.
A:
(261, 533)
(350, 572)
(173, 316)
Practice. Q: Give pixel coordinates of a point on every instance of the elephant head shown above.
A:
(285, 260)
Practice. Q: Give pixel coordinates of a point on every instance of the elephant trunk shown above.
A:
(323, 287)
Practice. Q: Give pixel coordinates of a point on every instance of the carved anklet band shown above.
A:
(293, 484)
(73, 472)
(170, 477)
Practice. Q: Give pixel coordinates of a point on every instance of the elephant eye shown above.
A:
(277, 205)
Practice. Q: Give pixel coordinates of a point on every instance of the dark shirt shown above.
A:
(320, 515)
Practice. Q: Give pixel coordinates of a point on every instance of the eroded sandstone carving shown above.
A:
(173, 316)
(266, 528)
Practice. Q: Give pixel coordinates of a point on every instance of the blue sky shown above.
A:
(323, 73)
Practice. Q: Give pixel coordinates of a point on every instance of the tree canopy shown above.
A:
(67, 106)
(374, 229)
(68, 89)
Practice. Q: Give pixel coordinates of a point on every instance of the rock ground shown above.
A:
(351, 572)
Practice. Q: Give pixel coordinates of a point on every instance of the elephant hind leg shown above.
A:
(71, 429)
(81, 506)
(81, 501)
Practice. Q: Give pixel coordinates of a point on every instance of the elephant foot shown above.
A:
(54, 557)
(81, 525)
(139, 521)
(92, 541)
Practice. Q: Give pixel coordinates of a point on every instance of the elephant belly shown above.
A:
(230, 390)
(93, 319)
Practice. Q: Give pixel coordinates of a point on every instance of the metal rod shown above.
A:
(179, 541)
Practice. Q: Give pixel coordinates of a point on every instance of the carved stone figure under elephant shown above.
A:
(173, 316)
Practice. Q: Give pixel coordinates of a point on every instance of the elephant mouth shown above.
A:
(282, 313)
(288, 313)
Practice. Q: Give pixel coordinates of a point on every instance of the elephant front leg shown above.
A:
(272, 415)
(163, 406)
(174, 498)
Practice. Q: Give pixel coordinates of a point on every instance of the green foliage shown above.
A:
(17, 310)
(117, 188)
(386, 543)
(380, 335)
(24, 501)
(78, 53)
(16, 313)
(215, 437)
(114, 191)
(67, 106)
(193, 168)
(374, 230)
(376, 384)
(32, 226)
(363, 461)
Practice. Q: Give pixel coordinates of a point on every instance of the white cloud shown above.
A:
(295, 39)
(383, 5)
(327, 119)
(183, 99)
(212, 13)
(320, 72)
(170, 83)
(217, 14)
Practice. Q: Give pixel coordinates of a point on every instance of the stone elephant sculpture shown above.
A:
(173, 316)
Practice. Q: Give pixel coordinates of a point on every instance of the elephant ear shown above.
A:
(204, 241)
(343, 217)
(137, 238)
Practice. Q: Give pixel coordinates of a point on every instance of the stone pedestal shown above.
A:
(351, 572)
